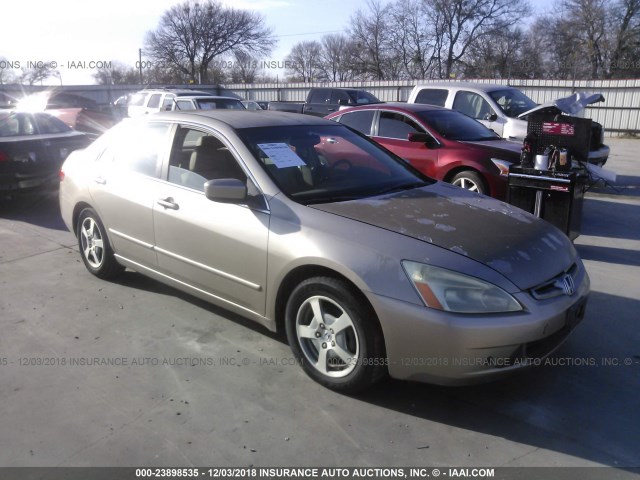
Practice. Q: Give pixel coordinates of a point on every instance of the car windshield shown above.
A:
(457, 126)
(512, 102)
(219, 103)
(323, 164)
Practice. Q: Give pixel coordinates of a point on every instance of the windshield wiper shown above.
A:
(400, 188)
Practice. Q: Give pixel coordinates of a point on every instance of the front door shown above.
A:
(218, 248)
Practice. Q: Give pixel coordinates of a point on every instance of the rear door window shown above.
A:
(139, 149)
(321, 95)
(360, 121)
(432, 96)
(154, 101)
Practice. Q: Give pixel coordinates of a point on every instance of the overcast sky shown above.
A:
(74, 33)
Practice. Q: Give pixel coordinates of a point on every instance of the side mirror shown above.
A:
(491, 117)
(226, 190)
(420, 137)
(342, 101)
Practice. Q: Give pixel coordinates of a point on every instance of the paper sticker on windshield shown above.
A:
(281, 155)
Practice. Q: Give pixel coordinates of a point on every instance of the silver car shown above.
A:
(305, 226)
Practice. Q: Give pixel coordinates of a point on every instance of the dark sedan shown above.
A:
(441, 143)
(32, 149)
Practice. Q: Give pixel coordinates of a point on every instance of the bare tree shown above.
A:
(461, 23)
(245, 68)
(413, 37)
(6, 72)
(585, 22)
(190, 35)
(370, 31)
(117, 74)
(39, 73)
(624, 21)
(304, 61)
(336, 58)
(499, 55)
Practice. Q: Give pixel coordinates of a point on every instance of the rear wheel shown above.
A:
(470, 180)
(94, 246)
(336, 339)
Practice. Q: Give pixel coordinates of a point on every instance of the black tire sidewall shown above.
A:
(366, 328)
(475, 178)
(109, 265)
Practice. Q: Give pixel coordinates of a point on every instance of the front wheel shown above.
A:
(94, 246)
(470, 180)
(336, 339)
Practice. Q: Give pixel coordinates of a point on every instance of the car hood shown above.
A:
(525, 249)
(572, 105)
(499, 146)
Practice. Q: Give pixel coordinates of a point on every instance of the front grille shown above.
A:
(538, 349)
(554, 287)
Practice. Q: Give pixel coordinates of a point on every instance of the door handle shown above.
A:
(331, 109)
(100, 180)
(168, 203)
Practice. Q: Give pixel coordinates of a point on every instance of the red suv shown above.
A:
(441, 143)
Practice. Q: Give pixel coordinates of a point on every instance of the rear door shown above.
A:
(217, 248)
(126, 186)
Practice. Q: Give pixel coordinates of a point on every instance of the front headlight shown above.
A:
(502, 165)
(450, 291)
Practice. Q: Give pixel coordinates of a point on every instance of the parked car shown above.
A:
(506, 109)
(322, 101)
(32, 149)
(166, 100)
(80, 113)
(304, 225)
(441, 143)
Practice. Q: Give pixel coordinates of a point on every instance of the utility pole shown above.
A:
(140, 65)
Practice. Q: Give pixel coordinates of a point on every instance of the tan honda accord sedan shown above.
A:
(304, 225)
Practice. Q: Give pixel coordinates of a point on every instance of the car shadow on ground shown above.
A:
(580, 402)
(38, 208)
(132, 279)
(628, 185)
(604, 218)
(584, 394)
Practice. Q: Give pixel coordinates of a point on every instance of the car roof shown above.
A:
(238, 119)
(484, 87)
(176, 91)
(399, 106)
(206, 96)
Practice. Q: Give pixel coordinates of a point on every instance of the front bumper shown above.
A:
(599, 157)
(437, 347)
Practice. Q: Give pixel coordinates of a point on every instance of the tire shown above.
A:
(470, 180)
(345, 359)
(95, 250)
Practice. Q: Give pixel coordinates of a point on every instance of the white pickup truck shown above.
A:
(504, 109)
